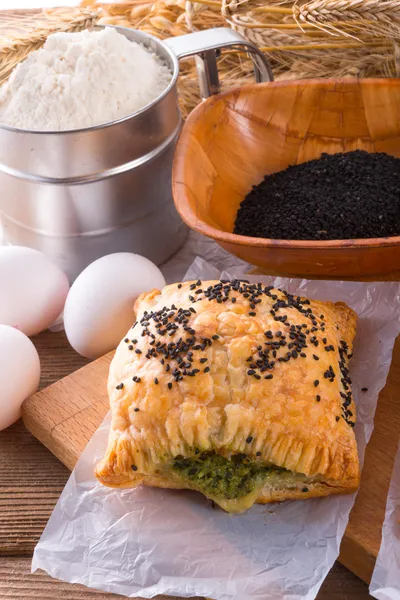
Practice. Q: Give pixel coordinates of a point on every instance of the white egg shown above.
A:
(99, 307)
(19, 373)
(33, 289)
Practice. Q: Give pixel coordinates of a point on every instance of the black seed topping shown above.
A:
(138, 351)
(305, 490)
(130, 347)
(337, 418)
(364, 389)
(258, 453)
(249, 439)
(126, 340)
(134, 467)
(119, 386)
(136, 409)
(318, 398)
(288, 343)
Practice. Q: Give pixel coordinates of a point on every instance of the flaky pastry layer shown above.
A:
(234, 368)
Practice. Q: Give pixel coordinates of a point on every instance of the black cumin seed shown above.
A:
(252, 314)
(315, 357)
(138, 351)
(250, 372)
(126, 340)
(119, 386)
(318, 398)
(130, 347)
(206, 370)
(134, 467)
(337, 418)
(364, 389)
(169, 386)
(136, 409)
(249, 439)
(156, 380)
(316, 383)
(270, 376)
(203, 360)
(258, 453)
(305, 490)
(179, 286)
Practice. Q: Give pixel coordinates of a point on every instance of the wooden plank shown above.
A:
(32, 479)
(16, 583)
(65, 416)
(361, 543)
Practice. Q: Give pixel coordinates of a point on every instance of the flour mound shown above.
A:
(78, 80)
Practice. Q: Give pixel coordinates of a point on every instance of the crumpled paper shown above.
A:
(385, 583)
(145, 542)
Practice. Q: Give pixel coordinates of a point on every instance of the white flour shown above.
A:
(81, 79)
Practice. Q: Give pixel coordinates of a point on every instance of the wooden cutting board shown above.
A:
(65, 415)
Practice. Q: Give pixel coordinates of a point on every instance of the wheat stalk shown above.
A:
(335, 10)
(380, 16)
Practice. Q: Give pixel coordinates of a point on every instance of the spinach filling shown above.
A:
(218, 476)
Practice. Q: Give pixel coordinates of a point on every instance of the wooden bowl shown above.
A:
(232, 140)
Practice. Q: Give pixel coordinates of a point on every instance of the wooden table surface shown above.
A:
(31, 480)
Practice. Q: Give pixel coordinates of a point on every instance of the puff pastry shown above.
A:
(237, 390)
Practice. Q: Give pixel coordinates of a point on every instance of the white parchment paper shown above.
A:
(385, 583)
(145, 542)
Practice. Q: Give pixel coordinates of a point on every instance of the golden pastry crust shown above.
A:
(211, 389)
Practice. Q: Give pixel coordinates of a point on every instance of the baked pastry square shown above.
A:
(237, 390)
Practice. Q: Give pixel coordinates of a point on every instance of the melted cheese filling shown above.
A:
(233, 483)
